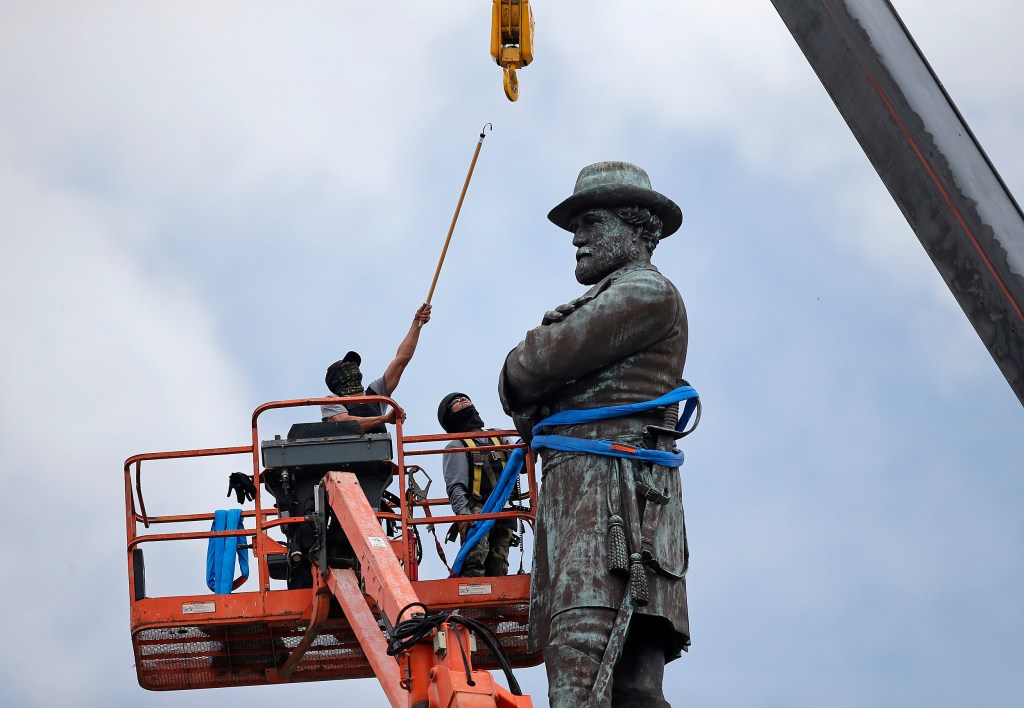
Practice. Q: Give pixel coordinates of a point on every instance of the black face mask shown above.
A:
(347, 381)
(464, 420)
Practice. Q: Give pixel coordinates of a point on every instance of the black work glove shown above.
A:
(453, 533)
(242, 486)
(458, 530)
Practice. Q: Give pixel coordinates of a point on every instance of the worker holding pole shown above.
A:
(344, 377)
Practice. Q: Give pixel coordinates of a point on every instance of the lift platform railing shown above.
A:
(408, 521)
(263, 516)
(198, 641)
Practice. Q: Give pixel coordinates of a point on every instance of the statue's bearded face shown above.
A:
(604, 243)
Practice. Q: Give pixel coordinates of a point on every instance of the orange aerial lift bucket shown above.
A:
(339, 628)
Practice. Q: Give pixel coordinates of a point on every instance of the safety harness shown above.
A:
(484, 464)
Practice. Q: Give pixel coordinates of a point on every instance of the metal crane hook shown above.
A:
(511, 40)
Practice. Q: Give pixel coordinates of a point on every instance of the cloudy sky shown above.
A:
(205, 203)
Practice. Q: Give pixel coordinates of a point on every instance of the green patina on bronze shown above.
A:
(623, 341)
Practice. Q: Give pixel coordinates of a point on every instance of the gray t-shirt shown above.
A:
(376, 388)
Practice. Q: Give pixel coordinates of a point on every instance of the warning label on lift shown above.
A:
(197, 608)
(474, 588)
(377, 541)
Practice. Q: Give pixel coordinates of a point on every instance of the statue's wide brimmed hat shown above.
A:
(616, 184)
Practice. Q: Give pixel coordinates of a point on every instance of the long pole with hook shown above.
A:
(451, 229)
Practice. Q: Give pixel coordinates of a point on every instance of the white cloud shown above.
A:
(203, 204)
(100, 360)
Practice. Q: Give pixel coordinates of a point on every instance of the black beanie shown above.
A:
(443, 412)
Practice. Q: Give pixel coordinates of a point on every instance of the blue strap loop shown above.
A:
(608, 449)
(221, 551)
(506, 483)
(683, 393)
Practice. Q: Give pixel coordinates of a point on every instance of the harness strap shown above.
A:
(479, 460)
(437, 541)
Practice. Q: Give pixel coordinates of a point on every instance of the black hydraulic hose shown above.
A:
(409, 632)
(489, 638)
(465, 664)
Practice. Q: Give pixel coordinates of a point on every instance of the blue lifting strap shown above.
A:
(221, 551)
(506, 483)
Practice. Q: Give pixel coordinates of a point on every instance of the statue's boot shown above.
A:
(577, 642)
(571, 677)
(578, 639)
(640, 672)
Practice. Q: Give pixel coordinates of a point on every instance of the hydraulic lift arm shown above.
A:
(929, 160)
(436, 672)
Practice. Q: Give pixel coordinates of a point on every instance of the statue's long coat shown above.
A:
(623, 341)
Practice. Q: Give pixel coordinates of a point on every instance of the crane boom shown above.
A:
(933, 166)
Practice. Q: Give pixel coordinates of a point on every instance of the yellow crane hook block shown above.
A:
(512, 40)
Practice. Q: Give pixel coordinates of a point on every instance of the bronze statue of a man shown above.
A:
(622, 342)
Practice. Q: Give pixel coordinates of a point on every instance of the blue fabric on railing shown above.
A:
(506, 482)
(221, 552)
